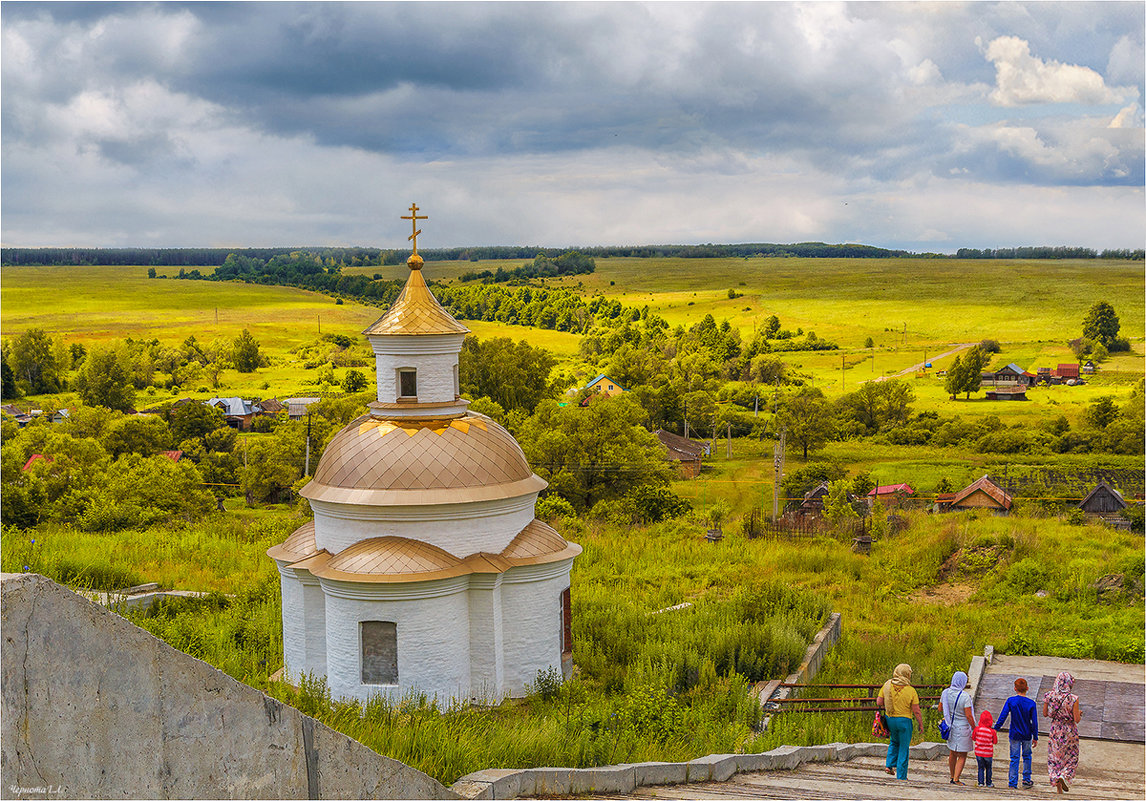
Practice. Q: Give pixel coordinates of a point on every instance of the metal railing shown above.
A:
(864, 703)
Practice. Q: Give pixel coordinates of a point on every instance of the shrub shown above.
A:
(1027, 575)
(553, 506)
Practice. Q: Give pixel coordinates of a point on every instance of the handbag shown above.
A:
(944, 726)
(878, 728)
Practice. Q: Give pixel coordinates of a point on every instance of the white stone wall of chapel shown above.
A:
(459, 528)
(434, 357)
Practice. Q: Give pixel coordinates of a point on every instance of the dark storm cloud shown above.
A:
(851, 98)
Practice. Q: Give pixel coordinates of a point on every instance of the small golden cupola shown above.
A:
(416, 345)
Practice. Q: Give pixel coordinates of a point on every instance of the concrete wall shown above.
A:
(94, 707)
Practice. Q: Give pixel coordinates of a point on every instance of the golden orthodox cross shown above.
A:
(413, 218)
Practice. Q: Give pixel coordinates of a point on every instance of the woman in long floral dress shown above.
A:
(1060, 707)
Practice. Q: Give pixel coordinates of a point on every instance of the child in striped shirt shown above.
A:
(985, 737)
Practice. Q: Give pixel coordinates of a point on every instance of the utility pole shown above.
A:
(686, 419)
(319, 316)
(843, 363)
(756, 407)
(730, 440)
(778, 464)
(216, 315)
(307, 443)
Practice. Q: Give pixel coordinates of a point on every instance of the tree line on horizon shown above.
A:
(365, 256)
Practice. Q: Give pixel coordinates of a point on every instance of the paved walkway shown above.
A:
(1111, 696)
(1106, 770)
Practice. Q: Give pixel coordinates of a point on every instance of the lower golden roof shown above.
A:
(399, 559)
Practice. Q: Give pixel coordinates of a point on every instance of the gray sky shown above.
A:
(922, 126)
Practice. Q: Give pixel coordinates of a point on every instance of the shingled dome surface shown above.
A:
(382, 462)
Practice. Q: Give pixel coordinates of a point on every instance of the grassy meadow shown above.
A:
(653, 688)
(661, 686)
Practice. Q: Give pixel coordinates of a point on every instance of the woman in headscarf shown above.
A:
(1060, 707)
(900, 702)
(957, 711)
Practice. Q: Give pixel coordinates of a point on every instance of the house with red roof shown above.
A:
(36, 457)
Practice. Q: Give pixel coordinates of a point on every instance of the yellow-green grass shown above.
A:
(847, 300)
(94, 304)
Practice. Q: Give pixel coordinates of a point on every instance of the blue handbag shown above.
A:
(944, 726)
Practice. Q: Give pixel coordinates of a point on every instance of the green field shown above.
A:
(933, 596)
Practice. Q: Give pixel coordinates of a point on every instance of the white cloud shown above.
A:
(1021, 78)
(1128, 117)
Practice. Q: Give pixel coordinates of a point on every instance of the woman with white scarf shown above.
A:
(959, 715)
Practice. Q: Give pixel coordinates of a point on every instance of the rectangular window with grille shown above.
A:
(379, 652)
(407, 383)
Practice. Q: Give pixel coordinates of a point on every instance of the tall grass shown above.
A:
(652, 684)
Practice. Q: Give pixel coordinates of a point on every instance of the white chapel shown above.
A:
(424, 568)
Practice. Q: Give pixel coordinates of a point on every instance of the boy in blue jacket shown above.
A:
(1023, 733)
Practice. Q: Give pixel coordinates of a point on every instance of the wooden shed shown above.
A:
(682, 450)
(1103, 501)
(982, 494)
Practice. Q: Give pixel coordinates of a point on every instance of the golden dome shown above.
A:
(415, 462)
(395, 560)
(416, 311)
(299, 545)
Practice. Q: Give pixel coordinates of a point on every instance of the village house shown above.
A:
(1066, 371)
(685, 452)
(237, 412)
(604, 385)
(982, 494)
(1103, 502)
(1088, 368)
(813, 502)
(1011, 376)
(269, 407)
(297, 407)
(891, 494)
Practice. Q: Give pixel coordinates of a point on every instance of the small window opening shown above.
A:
(566, 623)
(379, 652)
(407, 383)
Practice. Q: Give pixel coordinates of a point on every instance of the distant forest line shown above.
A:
(365, 257)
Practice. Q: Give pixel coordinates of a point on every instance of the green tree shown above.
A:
(142, 435)
(513, 375)
(838, 503)
(219, 354)
(353, 381)
(974, 364)
(33, 358)
(246, 355)
(956, 378)
(596, 453)
(808, 417)
(195, 420)
(1101, 412)
(8, 388)
(1101, 324)
(771, 327)
(105, 379)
